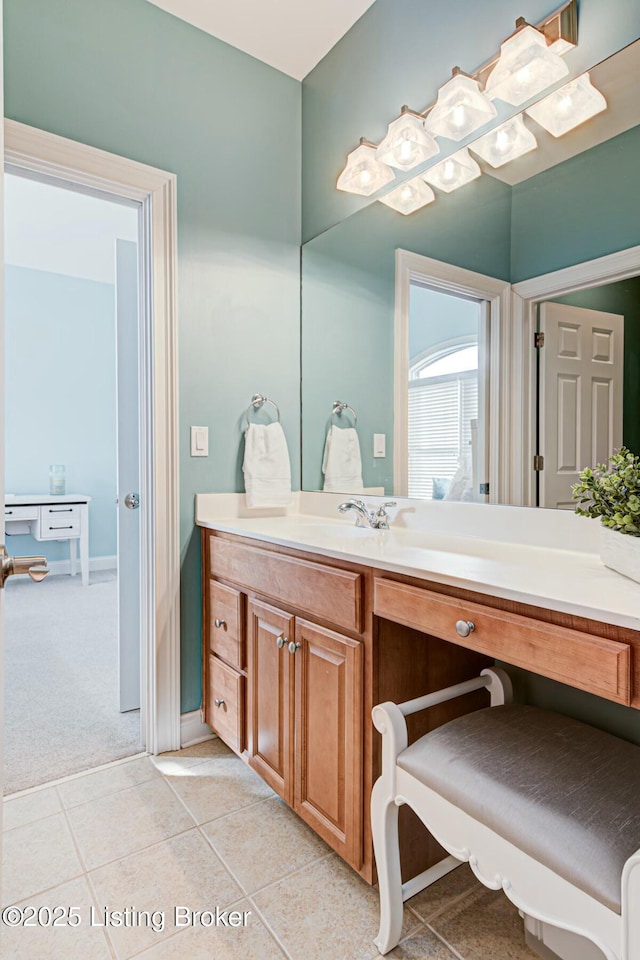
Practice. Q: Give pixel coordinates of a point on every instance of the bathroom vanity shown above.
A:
(310, 621)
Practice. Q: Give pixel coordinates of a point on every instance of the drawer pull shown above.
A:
(293, 646)
(70, 527)
(219, 703)
(60, 509)
(280, 642)
(465, 627)
(220, 623)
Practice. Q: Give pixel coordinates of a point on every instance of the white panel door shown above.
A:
(127, 327)
(580, 397)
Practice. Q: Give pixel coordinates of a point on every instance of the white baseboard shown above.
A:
(193, 730)
(63, 567)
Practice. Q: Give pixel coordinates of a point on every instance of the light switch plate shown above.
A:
(379, 445)
(199, 441)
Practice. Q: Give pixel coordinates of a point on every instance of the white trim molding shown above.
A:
(526, 296)
(45, 155)
(457, 280)
(193, 729)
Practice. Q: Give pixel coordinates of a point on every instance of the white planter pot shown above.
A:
(620, 552)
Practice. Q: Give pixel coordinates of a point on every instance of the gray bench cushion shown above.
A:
(563, 792)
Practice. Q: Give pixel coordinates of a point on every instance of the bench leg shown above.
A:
(384, 828)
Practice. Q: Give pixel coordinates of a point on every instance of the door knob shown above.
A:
(132, 501)
(36, 567)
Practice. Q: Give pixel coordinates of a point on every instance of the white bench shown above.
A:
(541, 806)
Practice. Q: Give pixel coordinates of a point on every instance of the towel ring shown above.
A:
(339, 406)
(257, 401)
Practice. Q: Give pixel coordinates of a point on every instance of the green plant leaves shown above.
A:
(612, 492)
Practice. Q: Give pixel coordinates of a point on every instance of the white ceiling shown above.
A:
(290, 35)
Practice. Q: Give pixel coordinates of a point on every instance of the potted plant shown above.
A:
(612, 492)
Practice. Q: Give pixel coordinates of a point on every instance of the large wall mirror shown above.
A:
(408, 323)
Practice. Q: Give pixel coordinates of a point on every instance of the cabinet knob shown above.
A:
(293, 646)
(280, 642)
(219, 703)
(465, 627)
(220, 623)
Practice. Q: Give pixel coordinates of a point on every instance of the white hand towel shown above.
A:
(267, 470)
(342, 463)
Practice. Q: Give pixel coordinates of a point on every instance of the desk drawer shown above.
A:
(63, 512)
(322, 591)
(57, 528)
(20, 513)
(600, 666)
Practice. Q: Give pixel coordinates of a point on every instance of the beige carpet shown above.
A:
(60, 672)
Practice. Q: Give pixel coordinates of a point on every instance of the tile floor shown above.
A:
(199, 829)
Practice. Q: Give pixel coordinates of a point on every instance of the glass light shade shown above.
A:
(409, 196)
(569, 106)
(508, 141)
(364, 174)
(453, 172)
(526, 67)
(460, 109)
(407, 143)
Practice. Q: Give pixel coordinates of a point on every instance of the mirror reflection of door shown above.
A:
(589, 383)
(447, 395)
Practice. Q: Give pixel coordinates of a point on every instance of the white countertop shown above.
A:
(532, 571)
(30, 499)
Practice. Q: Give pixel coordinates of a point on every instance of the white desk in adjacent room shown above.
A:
(47, 517)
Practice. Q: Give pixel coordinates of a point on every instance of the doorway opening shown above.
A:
(588, 392)
(447, 390)
(72, 663)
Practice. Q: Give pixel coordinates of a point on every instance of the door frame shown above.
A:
(45, 154)
(526, 296)
(456, 280)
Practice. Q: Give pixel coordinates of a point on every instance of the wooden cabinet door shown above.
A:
(328, 724)
(270, 699)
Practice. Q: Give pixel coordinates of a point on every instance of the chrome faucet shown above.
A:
(367, 518)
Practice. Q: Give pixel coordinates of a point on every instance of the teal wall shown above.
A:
(622, 298)
(401, 51)
(348, 276)
(579, 210)
(60, 400)
(436, 317)
(129, 78)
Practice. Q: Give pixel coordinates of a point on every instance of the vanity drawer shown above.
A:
(20, 513)
(321, 591)
(600, 666)
(226, 634)
(226, 689)
(57, 528)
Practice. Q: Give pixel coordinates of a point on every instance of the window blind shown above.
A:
(440, 414)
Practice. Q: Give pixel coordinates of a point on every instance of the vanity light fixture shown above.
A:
(506, 142)
(364, 174)
(453, 172)
(526, 66)
(461, 108)
(409, 196)
(407, 143)
(569, 106)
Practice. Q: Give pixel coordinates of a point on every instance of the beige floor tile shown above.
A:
(81, 942)
(37, 856)
(182, 871)
(124, 822)
(33, 806)
(250, 942)
(219, 786)
(325, 912)
(264, 842)
(92, 786)
(484, 926)
(198, 752)
(442, 894)
(424, 945)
